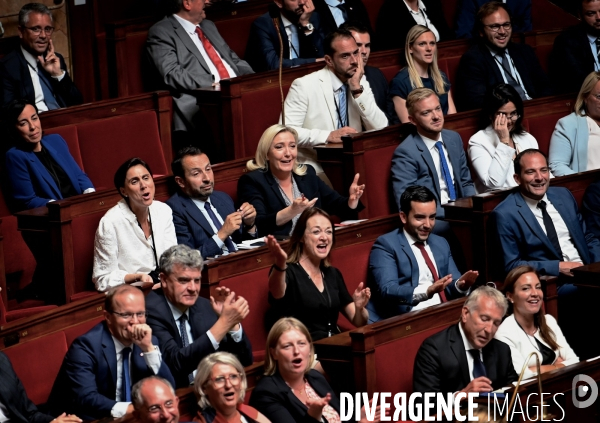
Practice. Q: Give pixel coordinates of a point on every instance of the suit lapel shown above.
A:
(41, 169)
(187, 41)
(108, 349)
(458, 349)
(490, 361)
(491, 62)
(440, 256)
(327, 91)
(25, 75)
(275, 187)
(572, 223)
(62, 162)
(454, 156)
(195, 213)
(532, 222)
(429, 161)
(406, 249)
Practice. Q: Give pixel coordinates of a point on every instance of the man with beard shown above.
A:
(576, 49)
(300, 33)
(495, 59)
(206, 219)
(335, 101)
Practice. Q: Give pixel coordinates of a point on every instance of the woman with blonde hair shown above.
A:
(421, 71)
(280, 188)
(220, 386)
(575, 142)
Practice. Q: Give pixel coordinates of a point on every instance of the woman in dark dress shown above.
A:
(304, 285)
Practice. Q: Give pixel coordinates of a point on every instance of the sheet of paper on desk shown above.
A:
(251, 243)
(592, 359)
(348, 223)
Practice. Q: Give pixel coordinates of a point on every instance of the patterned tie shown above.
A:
(432, 269)
(125, 378)
(213, 217)
(478, 367)
(342, 107)
(49, 98)
(184, 340)
(550, 229)
(294, 41)
(598, 48)
(342, 8)
(511, 79)
(446, 171)
(212, 53)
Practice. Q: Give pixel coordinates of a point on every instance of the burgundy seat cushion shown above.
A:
(378, 179)
(76, 331)
(69, 133)
(542, 128)
(84, 232)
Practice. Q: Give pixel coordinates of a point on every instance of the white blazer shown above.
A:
(521, 344)
(492, 161)
(311, 110)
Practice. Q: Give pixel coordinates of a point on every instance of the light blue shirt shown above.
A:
(215, 237)
(594, 51)
(337, 13)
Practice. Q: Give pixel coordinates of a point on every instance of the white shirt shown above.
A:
(468, 347)
(338, 16)
(421, 18)
(593, 150)
(435, 155)
(153, 360)
(592, 41)
(513, 70)
(569, 251)
(292, 33)
(190, 28)
(35, 79)
(215, 237)
(3, 414)
(425, 275)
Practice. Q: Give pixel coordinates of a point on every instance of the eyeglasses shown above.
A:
(169, 405)
(496, 27)
(129, 316)
(596, 96)
(512, 115)
(234, 379)
(36, 30)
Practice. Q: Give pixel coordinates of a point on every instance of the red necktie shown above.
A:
(214, 56)
(431, 267)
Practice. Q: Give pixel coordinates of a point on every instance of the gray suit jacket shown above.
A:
(181, 66)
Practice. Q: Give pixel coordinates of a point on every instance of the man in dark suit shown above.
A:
(575, 51)
(300, 31)
(195, 225)
(524, 234)
(520, 12)
(15, 406)
(466, 357)
(188, 52)
(410, 268)
(100, 367)
(333, 13)
(495, 59)
(190, 327)
(34, 71)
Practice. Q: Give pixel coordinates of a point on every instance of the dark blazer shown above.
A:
(571, 59)
(523, 242)
(262, 51)
(395, 20)
(381, 88)
(260, 189)
(356, 12)
(394, 273)
(194, 230)
(183, 361)
(478, 71)
(520, 11)
(590, 208)
(441, 363)
(274, 398)
(87, 380)
(31, 183)
(412, 165)
(16, 81)
(13, 396)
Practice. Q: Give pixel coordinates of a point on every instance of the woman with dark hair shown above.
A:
(500, 139)
(133, 234)
(304, 285)
(528, 329)
(40, 168)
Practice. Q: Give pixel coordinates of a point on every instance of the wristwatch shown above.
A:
(359, 91)
(309, 27)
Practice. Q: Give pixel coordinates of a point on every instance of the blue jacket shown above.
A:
(520, 11)
(569, 145)
(87, 381)
(412, 164)
(394, 273)
(31, 183)
(522, 240)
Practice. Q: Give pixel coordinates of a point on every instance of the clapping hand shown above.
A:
(361, 296)
(315, 406)
(356, 191)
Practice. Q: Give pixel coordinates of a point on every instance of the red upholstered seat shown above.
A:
(390, 71)
(75, 331)
(451, 66)
(37, 363)
(231, 29)
(20, 313)
(381, 201)
(542, 128)
(69, 133)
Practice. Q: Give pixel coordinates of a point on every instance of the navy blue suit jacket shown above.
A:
(193, 229)
(31, 183)
(355, 9)
(262, 52)
(571, 59)
(183, 361)
(14, 398)
(15, 81)
(412, 164)
(522, 240)
(520, 11)
(394, 273)
(87, 381)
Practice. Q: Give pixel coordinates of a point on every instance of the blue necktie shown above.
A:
(213, 217)
(342, 107)
(49, 99)
(446, 172)
(478, 367)
(184, 340)
(294, 42)
(342, 7)
(125, 378)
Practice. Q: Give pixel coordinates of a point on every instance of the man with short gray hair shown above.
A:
(154, 401)
(34, 71)
(466, 357)
(188, 326)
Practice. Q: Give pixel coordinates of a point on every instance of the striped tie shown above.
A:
(342, 107)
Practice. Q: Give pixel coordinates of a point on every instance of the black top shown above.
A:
(548, 356)
(302, 300)
(60, 177)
